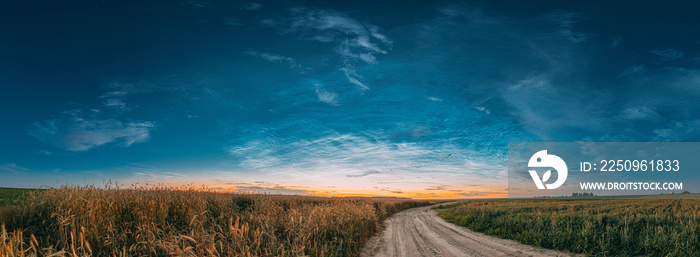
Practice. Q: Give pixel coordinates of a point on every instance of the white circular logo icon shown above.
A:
(543, 160)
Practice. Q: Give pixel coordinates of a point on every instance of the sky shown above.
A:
(367, 98)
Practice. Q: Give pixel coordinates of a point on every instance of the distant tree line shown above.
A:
(564, 196)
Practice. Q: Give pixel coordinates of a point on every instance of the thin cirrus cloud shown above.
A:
(640, 113)
(669, 53)
(565, 22)
(355, 42)
(252, 6)
(348, 154)
(115, 99)
(436, 99)
(84, 129)
(75, 133)
(353, 37)
(335, 102)
(400, 145)
(535, 71)
(513, 74)
(13, 168)
(671, 115)
(289, 61)
(521, 64)
(346, 159)
(270, 190)
(154, 176)
(326, 96)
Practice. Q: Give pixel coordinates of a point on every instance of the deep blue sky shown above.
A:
(361, 97)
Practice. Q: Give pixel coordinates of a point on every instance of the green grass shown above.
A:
(595, 227)
(13, 196)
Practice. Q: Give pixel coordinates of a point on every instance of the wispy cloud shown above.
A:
(351, 75)
(517, 79)
(565, 21)
(330, 26)
(82, 129)
(541, 80)
(233, 22)
(678, 131)
(114, 94)
(252, 6)
(147, 174)
(76, 131)
(355, 42)
(334, 159)
(436, 99)
(669, 53)
(640, 113)
(114, 99)
(270, 190)
(289, 61)
(636, 69)
(545, 110)
(483, 109)
(362, 174)
(45, 152)
(115, 103)
(197, 4)
(14, 168)
(659, 101)
(436, 188)
(615, 42)
(472, 194)
(325, 96)
(390, 190)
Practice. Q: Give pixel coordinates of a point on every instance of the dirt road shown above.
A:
(420, 232)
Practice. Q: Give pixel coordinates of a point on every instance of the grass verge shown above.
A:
(609, 227)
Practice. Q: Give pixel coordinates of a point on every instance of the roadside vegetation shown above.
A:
(166, 221)
(601, 227)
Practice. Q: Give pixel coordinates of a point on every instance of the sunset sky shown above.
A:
(384, 98)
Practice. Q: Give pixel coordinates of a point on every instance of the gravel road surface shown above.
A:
(420, 232)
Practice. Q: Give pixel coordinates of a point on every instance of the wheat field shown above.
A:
(184, 221)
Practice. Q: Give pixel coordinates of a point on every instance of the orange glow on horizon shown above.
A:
(413, 194)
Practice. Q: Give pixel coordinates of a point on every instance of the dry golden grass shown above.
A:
(164, 221)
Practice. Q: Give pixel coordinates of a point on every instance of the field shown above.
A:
(596, 227)
(164, 221)
(9, 196)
